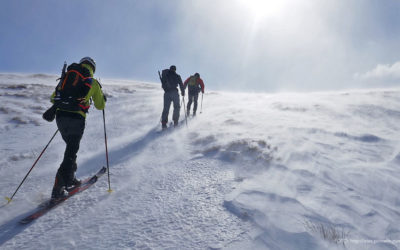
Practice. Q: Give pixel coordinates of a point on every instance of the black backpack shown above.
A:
(170, 80)
(72, 89)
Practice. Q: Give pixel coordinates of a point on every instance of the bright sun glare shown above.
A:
(260, 9)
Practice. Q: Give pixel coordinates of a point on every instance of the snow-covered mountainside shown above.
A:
(252, 171)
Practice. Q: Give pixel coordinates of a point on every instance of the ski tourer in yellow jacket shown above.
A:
(72, 99)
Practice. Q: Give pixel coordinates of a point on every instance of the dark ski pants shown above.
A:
(193, 97)
(171, 96)
(71, 127)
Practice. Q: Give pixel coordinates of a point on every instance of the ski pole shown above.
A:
(105, 141)
(184, 109)
(201, 107)
(9, 199)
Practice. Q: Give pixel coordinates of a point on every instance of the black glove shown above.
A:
(105, 98)
(50, 114)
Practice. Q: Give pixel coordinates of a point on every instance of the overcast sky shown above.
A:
(251, 45)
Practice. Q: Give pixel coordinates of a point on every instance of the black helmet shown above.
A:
(197, 74)
(90, 61)
(173, 68)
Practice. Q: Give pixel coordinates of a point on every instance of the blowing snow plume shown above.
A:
(253, 171)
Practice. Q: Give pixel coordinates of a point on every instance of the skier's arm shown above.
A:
(201, 85)
(186, 82)
(181, 85)
(98, 96)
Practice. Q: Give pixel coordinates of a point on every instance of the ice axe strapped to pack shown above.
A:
(50, 113)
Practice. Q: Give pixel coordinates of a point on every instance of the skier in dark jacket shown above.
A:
(170, 81)
(70, 117)
(195, 85)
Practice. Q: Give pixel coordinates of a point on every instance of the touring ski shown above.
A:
(50, 204)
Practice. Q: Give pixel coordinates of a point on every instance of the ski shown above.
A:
(50, 204)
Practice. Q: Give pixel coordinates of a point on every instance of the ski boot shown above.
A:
(58, 193)
(164, 125)
(72, 181)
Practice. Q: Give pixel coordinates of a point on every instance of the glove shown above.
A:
(105, 98)
(50, 114)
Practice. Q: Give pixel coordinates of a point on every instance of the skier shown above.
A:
(170, 81)
(72, 99)
(195, 85)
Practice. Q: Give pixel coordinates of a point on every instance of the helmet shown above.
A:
(173, 68)
(197, 74)
(90, 61)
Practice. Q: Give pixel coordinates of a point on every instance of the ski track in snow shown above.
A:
(250, 172)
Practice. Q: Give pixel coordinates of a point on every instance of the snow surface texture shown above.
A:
(253, 171)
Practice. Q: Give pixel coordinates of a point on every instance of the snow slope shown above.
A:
(253, 171)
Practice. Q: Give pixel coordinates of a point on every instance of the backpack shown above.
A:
(193, 86)
(72, 89)
(164, 80)
(170, 80)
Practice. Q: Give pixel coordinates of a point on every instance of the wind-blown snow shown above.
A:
(252, 171)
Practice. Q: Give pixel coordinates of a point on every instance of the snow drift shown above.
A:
(253, 171)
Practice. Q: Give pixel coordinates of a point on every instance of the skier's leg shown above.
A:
(167, 105)
(195, 97)
(190, 97)
(71, 129)
(177, 107)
